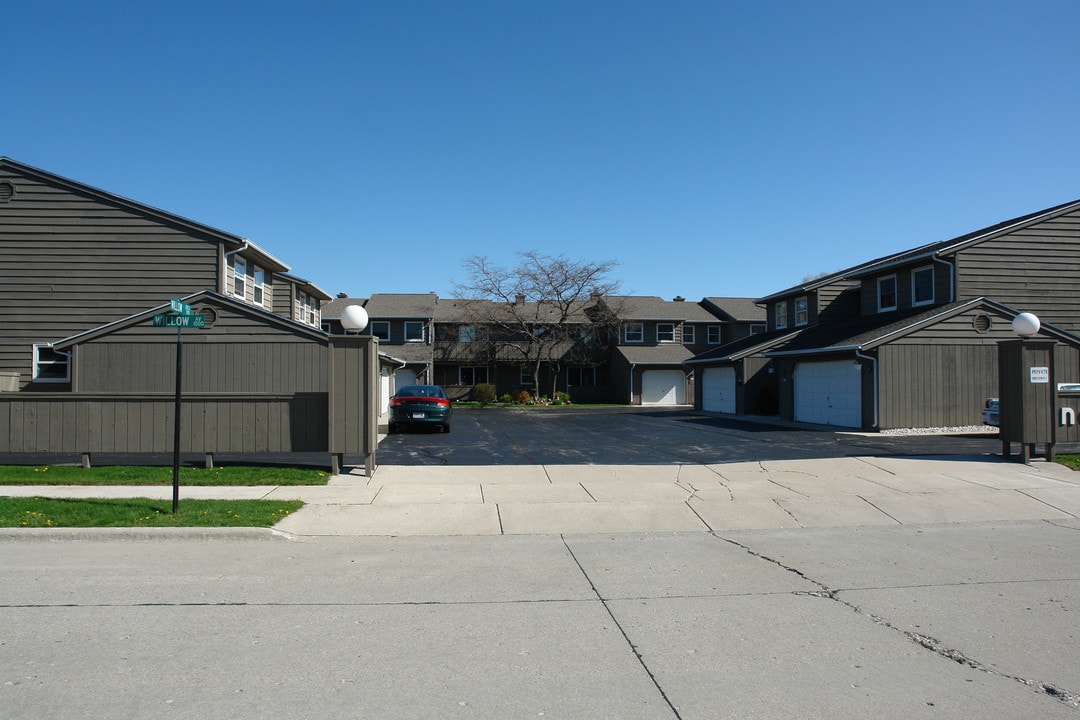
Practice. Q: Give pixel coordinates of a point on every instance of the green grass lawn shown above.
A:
(37, 512)
(1070, 461)
(143, 475)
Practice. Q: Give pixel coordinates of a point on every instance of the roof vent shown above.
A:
(343, 295)
(678, 298)
(982, 323)
(7, 191)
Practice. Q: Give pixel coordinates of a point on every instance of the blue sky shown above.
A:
(712, 148)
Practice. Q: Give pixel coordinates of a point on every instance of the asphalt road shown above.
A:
(644, 436)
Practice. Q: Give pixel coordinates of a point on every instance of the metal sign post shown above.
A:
(180, 316)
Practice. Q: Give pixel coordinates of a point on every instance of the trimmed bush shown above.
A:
(522, 397)
(484, 393)
(561, 398)
(506, 399)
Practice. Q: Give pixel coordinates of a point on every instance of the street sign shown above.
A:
(180, 308)
(180, 321)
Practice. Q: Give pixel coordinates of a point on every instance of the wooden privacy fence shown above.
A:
(343, 420)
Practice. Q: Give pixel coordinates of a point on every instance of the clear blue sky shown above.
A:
(713, 148)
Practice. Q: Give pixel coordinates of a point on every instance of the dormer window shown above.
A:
(780, 315)
(800, 311)
(922, 286)
(414, 331)
(886, 293)
(634, 333)
(665, 332)
(259, 286)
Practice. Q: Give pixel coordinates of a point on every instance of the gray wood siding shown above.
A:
(1033, 270)
(925, 386)
(72, 262)
(89, 423)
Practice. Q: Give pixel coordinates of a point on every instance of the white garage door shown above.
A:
(718, 389)
(829, 393)
(663, 387)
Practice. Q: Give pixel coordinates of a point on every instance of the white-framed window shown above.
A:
(258, 286)
(922, 285)
(801, 313)
(665, 332)
(472, 375)
(380, 329)
(634, 332)
(414, 331)
(51, 366)
(714, 334)
(587, 333)
(307, 309)
(757, 328)
(467, 333)
(580, 376)
(239, 283)
(689, 334)
(525, 377)
(780, 315)
(886, 293)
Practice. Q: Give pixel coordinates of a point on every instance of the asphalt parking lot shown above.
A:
(646, 436)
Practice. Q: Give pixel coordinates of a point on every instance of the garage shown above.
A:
(718, 389)
(829, 393)
(663, 387)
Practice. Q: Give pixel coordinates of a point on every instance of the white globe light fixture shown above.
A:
(354, 318)
(1026, 324)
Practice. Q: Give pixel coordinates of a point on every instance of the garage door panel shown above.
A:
(663, 387)
(718, 389)
(829, 393)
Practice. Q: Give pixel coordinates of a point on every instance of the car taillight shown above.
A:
(394, 402)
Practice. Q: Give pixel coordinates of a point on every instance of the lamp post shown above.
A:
(1026, 389)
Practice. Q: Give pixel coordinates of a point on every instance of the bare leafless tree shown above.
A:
(544, 310)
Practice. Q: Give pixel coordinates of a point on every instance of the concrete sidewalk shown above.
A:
(584, 499)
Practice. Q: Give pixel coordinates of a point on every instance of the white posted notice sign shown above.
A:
(1040, 375)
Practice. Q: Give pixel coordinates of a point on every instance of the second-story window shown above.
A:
(886, 293)
(757, 328)
(239, 277)
(665, 332)
(780, 315)
(380, 329)
(259, 285)
(714, 334)
(634, 332)
(689, 335)
(922, 286)
(467, 333)
(800, 311)
(307, 309)
(414, 331)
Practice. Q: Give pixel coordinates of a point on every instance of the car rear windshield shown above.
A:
(420, 391)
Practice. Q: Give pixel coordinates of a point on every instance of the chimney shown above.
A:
(343, 295)
(519, 299)
(679, 298)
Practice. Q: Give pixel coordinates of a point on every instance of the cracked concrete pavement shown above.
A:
(945, 621)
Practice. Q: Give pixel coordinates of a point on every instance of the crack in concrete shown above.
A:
(790, 514)
(924, 641)
(626, 637)
(868, 502)
(876, 467)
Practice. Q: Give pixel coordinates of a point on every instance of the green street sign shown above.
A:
(180, 308)
(180, 321)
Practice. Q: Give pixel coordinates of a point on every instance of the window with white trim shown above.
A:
(307, 309)
(239, 288)
(259, 284)
(665, 332)
(757, 328)
(922, 285)
(689, 334)
(414, 331)
(380, 329)
(472, 375)
(886, 293)
(51, 366)
(634, 332)
(578, 376)
(714, 335)
(801, 314)
(780, 315)
(526, 376)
